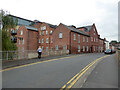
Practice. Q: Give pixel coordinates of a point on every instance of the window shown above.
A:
(43, 33)
(51, 32)
(57, 47)
(94, 33)
(87, 48)
(60, 35)
(41, 28)
(42, 48)
(46, 40)
(21, 32)
(46, 48)
(23, 49)
(94, 29)
(51, 48)
(91, 38)
(94, 39)
(39, 40)
(78, 38)
(42, 40)
(44, 27)
(46, 32)
(78, 48)
(83, 48)
(94, 48)
(23, 41)
(19, 42)
(40, 33)
(74, 37)
(51, 40)
(83, 39)
(87, 39)
(64, 47)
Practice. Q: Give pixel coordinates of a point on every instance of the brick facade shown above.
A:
(27, 39)
(70, 40)
(45, 36)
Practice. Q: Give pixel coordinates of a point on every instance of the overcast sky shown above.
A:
(104, 13)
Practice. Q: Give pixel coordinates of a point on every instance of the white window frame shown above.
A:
(57, 47)
(91, 38)
(40, 33)
(42, 40)
(23, 49)
(39, 40)
(43, 33)
(83, 48)
(23, 41)
(74, 36)
(21, 32)
(51, 48)
(47, 40)
(60, 35)
(64, 47)
(47, 48)
(51, 32)
(51, 40)
(87, 48)
(94, 29)
(94, 48)
(87, 39)
(78, 38)
(46, 32)
(94, 39)
(83, 39)
(78, 48)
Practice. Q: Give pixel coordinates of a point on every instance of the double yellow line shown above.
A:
(36, 63)
(72, 81)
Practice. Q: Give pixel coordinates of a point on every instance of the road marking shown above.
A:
(72, 81)
(36, 63)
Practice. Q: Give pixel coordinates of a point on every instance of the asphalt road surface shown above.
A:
(105, 75)
(48, 74)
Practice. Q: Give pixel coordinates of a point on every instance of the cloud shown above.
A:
(70, 12)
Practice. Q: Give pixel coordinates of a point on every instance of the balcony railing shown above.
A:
(14, 32)
(14, 39)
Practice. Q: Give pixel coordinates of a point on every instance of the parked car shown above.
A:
(108, 51)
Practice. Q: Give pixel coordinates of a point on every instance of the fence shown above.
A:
(118, 55)
(28, 54)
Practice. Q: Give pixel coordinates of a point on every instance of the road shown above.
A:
(47, 74)
(105, 75)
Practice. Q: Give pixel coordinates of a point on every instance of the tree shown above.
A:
(7, 24)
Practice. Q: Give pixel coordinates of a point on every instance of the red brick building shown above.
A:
(96, 43)
(27, 38)
(69, 38)
(45, 38)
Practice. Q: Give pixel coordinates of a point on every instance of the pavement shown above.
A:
(14, 63)
(105, 75)
(55, 73)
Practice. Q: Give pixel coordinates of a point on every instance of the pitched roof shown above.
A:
(31, 28)
(76, 30)
(87, 28)
(20, 18)
(52, 26)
